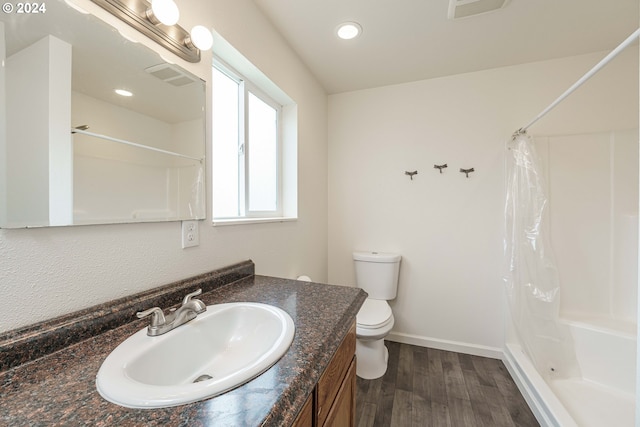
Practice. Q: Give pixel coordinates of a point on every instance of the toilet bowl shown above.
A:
(377, 274)
(374, 321)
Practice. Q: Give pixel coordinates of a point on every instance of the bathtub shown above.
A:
(605, 393)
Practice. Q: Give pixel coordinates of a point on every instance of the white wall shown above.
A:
(449, 228)
(39, 175)
(51, 271)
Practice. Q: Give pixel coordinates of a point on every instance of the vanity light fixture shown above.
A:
(349, 30)
(158, 21)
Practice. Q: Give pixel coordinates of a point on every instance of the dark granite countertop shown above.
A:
(59, 388)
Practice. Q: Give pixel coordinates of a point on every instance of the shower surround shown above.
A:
(593, 223)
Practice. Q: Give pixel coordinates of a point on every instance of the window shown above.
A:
(247, 149)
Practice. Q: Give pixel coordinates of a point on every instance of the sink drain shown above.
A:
(203, 377)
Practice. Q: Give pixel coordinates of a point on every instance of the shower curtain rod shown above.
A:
(133, 144)
(583, 79)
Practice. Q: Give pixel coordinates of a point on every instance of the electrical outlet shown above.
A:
(190, 234)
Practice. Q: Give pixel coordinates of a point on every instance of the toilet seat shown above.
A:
(374, 314)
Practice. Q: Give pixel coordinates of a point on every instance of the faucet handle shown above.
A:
(188, 297)
(157, 316)
(198, 306)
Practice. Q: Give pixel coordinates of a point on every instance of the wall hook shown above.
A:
(467, 171)
(440, 167)
(411, 174)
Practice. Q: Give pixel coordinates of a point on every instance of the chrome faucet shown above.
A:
(161, 324)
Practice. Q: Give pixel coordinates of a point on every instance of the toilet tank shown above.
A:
(377, 273)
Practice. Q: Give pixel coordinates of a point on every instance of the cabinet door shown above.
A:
(305, 418)
(333, 377)
(343, 411)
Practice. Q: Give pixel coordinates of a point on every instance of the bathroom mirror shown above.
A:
(72, 150)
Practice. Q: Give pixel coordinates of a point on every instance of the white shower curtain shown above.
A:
(531, 278)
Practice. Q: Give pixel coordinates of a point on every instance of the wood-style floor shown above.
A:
(433, 388)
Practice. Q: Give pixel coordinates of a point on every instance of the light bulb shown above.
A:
(201, 37)
(165, 11)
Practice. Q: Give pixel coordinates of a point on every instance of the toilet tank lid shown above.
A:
(376, 256)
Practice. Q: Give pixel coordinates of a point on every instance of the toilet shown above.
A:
(376, 274)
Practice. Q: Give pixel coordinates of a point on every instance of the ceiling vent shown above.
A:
(465, 8)
(170, 74)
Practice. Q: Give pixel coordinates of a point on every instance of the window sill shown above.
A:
(241, 221)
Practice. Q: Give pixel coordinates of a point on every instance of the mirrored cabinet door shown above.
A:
(94, 129)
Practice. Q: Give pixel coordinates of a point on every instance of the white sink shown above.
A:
(221, 349)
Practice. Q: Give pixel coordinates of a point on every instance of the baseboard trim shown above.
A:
(459, 347)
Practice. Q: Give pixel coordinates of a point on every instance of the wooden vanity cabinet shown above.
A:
(343, 410)
(305, 417)
(334, 397)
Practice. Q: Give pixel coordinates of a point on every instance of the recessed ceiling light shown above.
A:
(123, 92)
(349, 30)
